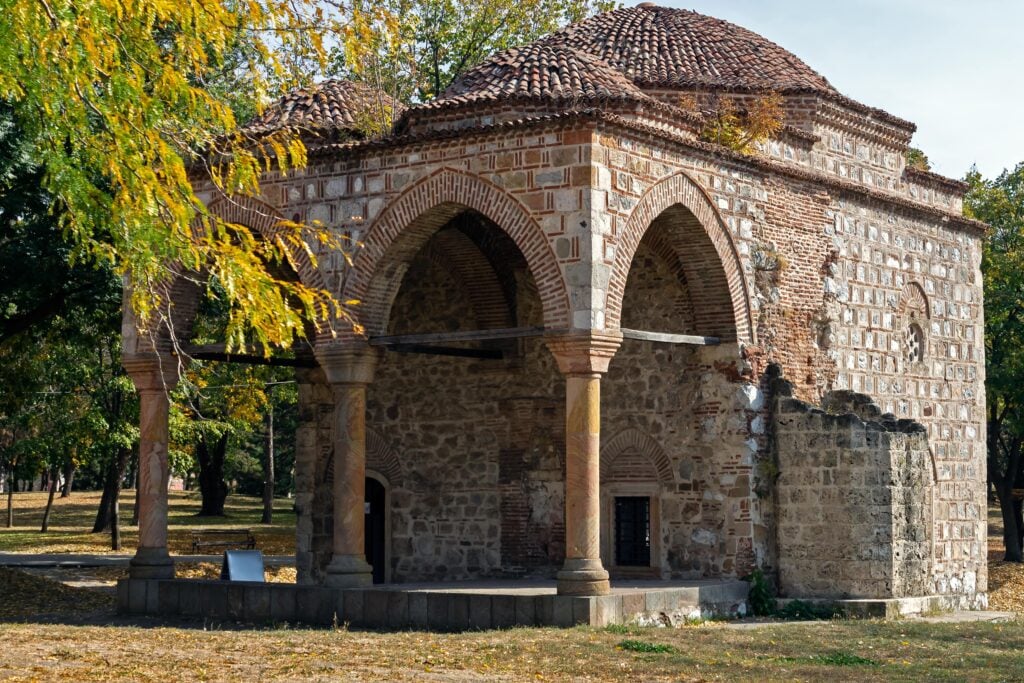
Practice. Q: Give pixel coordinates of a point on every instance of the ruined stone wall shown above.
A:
(855, 499)
(830, 277)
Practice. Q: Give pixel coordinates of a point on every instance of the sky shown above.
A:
(954, 68)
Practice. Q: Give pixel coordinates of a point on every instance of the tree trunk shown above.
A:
(268, 468)
(69, 478)
(1011, 535)
(134, 510)
(49, 500)
(111, 489)
(115, 523)
(10, 503)
(211, 476)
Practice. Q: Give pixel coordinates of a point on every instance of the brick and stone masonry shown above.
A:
(834, 434)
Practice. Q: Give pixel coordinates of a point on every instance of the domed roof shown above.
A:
(666, 47)
(333, 104)
(545, 71)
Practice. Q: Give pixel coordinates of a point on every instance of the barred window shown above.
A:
(913, 343)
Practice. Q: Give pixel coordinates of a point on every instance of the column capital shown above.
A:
(152, 372)
(584, 353)
(352, 363)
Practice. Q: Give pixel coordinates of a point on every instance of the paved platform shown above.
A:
(453, 606)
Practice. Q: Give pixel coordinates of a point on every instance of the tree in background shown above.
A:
(1000, 203)
(414, 49)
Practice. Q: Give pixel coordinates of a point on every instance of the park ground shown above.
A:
(52, 630)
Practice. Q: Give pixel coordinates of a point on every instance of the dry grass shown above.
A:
(142, 650)
(862, 651)
(72, 519)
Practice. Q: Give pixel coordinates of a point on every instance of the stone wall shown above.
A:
(854, 494)
(815, 270)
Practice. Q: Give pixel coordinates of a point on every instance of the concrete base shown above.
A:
(455, 606)
(151, 563)
(348, 571)
(885, 608)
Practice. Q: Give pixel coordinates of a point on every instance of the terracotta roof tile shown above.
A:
(540, 71)
(661, 46)
(333, 104)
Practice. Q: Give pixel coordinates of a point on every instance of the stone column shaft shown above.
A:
(583, 358)
(349, 469)
(349, 370)
(153, 379)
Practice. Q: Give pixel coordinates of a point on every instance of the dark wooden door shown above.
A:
(633, 531)
(376, 533)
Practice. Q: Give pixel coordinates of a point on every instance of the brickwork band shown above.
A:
(583, 358)
(349, 369)
(154, 377)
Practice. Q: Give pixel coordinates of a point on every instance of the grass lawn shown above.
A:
(50, 631)
(72, 518)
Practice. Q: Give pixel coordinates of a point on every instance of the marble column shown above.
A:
(583, 358)
(154, 377)
(349, 369)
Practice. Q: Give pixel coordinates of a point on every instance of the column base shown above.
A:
(583, 577)
(151, 563)
(348, 571)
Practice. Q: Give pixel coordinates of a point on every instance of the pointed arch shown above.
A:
(636, 442)
(408, 222)
(705, 250)
(380, 457)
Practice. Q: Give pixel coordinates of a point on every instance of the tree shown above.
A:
(414, 49)
(1000, 203)
(739, 130)
(121, 107)
(918, 159)
(216, 406)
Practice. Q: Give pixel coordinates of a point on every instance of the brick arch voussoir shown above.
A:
(645, 445)
(382, 458)
(410, 219)
(913, 298)
(681, 190)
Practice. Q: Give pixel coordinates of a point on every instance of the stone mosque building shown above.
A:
(598, 349)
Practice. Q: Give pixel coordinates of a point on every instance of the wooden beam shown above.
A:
(246, 359)
(458, 352)
(463, 336)
(218, 352)
(664, 337)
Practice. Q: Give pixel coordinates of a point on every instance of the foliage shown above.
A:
(65, 395)
(414, 49)
(740, 130)
(1000, 203)
(801, 610)
(762, 594)
(644, 646)
(918, 159)
(126, 104)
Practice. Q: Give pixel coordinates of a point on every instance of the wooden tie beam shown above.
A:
(434, 343)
